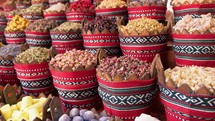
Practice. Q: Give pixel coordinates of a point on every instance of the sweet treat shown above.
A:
(195, 77)
(22, 4)
(81, 6)
(189, 25)
(74, 60)
(68, 27)
(39, 1)
(15, 12)
(36, 9)
(142, 27)
(17, 24)
(189, 2)
(33, 55)
(100, 25)
(42, 25)
(123, 69)
(57, 8)
(138, 3)
(112, 4)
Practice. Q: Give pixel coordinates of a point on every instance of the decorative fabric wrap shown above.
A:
(127, 100)
(196, 50)
(79, 16)
(195, 10)
(154, 12)
(113, 12)
(109, 42)
(34, 78)
(22, 6)
(7, 73)
(9, 18)
(186, 107)
(32, 17)
(38, 39)
(66, 41)
(59, 18)
(3, 21)
(15, 37)
(76, 89)
(52, 2)
(2, 37)
(143, 47)
(9, 8)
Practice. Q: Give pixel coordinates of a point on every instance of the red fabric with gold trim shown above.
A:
(112, 12)
(58, 17)
(79, 16)
(33, 17)
(9, 8)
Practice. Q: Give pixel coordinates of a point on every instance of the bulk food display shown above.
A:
(107, 60)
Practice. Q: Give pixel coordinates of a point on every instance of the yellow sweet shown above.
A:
(26, 102)
(14, 107)
(34, 112)
(20, 115)
(6, 111)
(11, 119)
(19, 105)
(17, 24)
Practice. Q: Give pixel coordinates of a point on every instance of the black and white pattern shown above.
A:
(38, 91)
(78, 94)
(141, 51)
(74, 83)
(114, 40)
(7, 72)
(36, 42)
(195, 49)
(67, 36)
(37, 83)
(6, 63)
(81, 106)
(144, 40)
(14, 34)
(189, 100)
(32, 17)
(110, 51)
(32, 74)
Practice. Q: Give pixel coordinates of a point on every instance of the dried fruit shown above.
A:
(68, 27)
(81, 6)
(137, 3)
(111, 4)
(35, 9)
(17, 24)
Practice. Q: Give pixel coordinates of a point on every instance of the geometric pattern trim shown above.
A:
(14, 34)
(141, 51)
(65, 36)
(6, 63)
(32, 74)
(74, 83)
(110, 51)
(81, 106)
(37, 83)
(32, 17)
(36, 42)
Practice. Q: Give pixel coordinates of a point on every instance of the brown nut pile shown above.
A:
(2, 16)
(36, 9)
(123, 69)
(23, 2)
(189, 2)
(138, 3)
(9, 3)
(39, 1)
(9, 52)
(198, 80)
(73, 60)
(112, 4)
(17, 24)
(100, 25)
(15, 12)
(42, 25)
(68, 27)
(56, 8)
(142, 27)
(189, 25)
(33, 56)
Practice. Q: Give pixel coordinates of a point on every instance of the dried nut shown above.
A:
(23, 2)
(189, 25)
(17, 24)
(33, 55)
(142, 27)
(56, 8)
(112, 4)
(147, 3)
(101, 25)
(194, 77)
(73, 60)
(122, 69)
(14, 12)
(81, 6)
(68, 27)
(39, 1)
(36, 9)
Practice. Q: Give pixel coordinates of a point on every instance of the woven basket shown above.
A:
(154, 12)
(9, 18)
(186, 107)
(76, 89)
(196, 50)
(127, 100)
(34, 78)
(15, 37)
(7, 73)
(145, 47)
(108, 42)
(59, 18)
(32, 17)
(195, 10)
(35, 39)
(22, 6)
(79, 16)
(66, 41)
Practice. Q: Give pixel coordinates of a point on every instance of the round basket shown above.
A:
(9, 8)
(32, 17)
(196, 50)
(59, 18)
(76, 89)
(52, 2)
(143, 47)
(127, 100)
(108, 42)
(9, 18)
(2, 37)
(22, 6)
(154, 12)
(3, 21)
(66, 41)
(195, 10)
(7, 73)
(34, 78)
(79, 16)
(15, 37)
(113, 12)
(35, 39)
(186, 107)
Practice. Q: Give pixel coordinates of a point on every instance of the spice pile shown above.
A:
(68, 27)
(111, 4)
